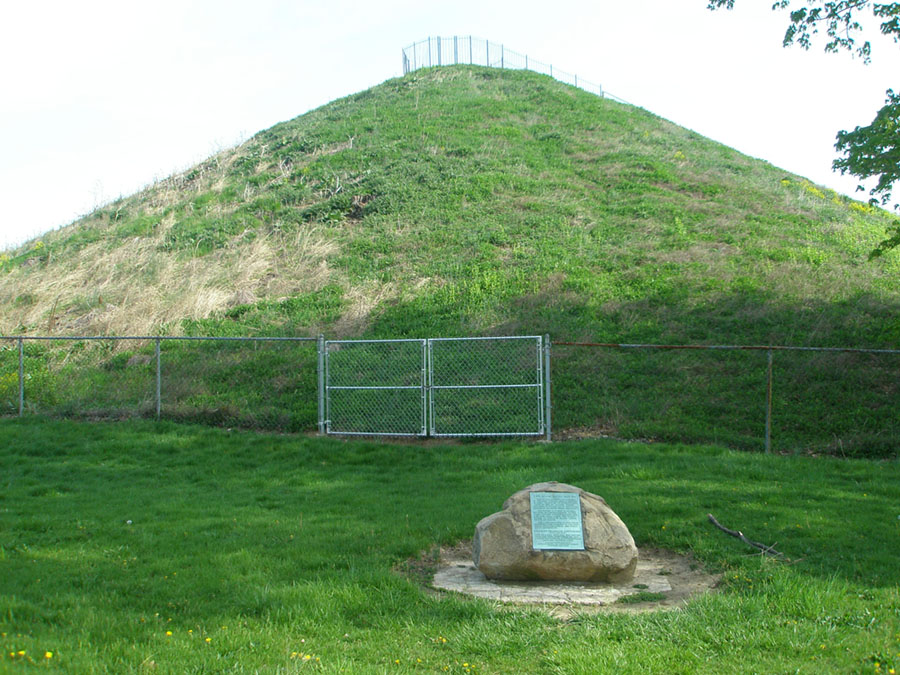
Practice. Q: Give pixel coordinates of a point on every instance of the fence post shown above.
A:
(427, 392)
(320, 353)
(487, 52)
(21, 377)
(470, 50)
(429, 51)
(526, 62)
(547, 404)
(769, 404)
(455, 50)
(439, 41)
(158, 379)
(502, 56)
(576, 80)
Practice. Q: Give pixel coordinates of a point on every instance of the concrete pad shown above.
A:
(663, 572)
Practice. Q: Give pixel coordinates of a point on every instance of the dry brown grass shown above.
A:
(138, 288)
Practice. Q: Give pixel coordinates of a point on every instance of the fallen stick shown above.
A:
(768, 550)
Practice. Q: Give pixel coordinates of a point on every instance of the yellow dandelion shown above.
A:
(48, 655)
(21, 652)
(208, 640)
(168, 633)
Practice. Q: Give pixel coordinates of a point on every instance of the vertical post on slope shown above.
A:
(487, 52)
(427, 393)
(455, 50)
(551, 70)
(439, 41)
(470, 50)
(158, 379)
(502, 56)
(429, 51)
(576, 80)
(547, 410)
(21, 377)
(769, 405)
(526, 62)
(320, 354)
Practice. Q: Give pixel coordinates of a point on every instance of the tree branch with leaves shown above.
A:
(872, 151)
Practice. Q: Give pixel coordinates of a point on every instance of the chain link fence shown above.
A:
(468, 50)
(841, 401)
(266, 383)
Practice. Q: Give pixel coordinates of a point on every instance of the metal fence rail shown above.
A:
(468, 50)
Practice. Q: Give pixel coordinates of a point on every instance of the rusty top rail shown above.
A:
(758, 348)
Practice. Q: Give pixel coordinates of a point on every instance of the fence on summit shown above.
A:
(468, 50)
(754, 397)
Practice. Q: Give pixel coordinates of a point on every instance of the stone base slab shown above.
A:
(676, 577)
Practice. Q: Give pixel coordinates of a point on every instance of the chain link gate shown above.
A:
(373, 387)
(438, 387)
(487, 386)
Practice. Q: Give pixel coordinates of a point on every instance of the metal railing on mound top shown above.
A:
(468, 50)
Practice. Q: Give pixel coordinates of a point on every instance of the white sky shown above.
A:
(99, 97)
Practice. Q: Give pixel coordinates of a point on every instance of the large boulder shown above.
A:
(502, 548)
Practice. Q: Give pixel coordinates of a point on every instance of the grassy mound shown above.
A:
(471, 201)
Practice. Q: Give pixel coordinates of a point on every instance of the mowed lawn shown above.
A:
(142, 547)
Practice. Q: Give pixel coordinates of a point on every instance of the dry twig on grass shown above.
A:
(767, 550)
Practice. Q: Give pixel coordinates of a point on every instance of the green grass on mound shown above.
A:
(134, 546)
